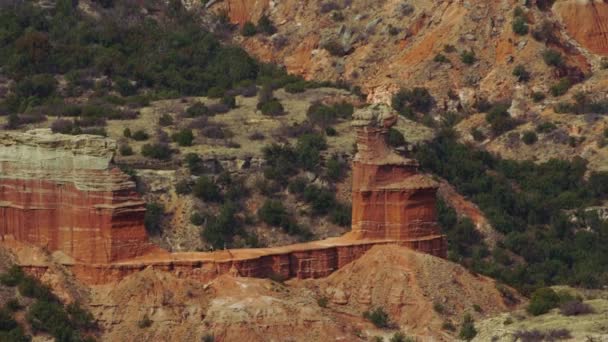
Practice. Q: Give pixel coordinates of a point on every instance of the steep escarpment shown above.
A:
(60, 192)
(587, 22)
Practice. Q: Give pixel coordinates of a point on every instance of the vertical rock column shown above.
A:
(391, 200)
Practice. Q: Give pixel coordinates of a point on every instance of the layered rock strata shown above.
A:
(391, 200)
(60, 192)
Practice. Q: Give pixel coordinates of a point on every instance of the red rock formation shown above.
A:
(587, 22)
(59, 192)
(391, 201)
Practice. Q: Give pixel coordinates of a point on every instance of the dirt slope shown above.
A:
(413, 288)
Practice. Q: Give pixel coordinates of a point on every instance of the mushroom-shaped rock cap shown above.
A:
(378, 115)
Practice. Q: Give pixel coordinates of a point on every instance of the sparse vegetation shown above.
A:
(468, 57)
(467, 329)
(553, 58)
(529, 138)
(407, 101)
(153, 218)
(521, 73)
(520, 23)
(378, 317)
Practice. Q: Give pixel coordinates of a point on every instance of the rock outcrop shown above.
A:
(391, 200)
(60, 192)
(587, 22)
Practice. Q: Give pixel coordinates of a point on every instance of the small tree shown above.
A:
(249, 29)
(266, 26)
(467, 329)
(185, 137)
(529, 138)
(378, 317)
(207, 190)
(468, 57)
(521, 73)
(553, 58)
(542, 300)
(520, 26)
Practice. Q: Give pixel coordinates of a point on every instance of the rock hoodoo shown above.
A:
(391, 200)
(60, 192)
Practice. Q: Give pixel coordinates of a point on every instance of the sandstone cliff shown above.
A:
(60, 192)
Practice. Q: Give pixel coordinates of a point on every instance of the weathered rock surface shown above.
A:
(587, 22)
(60, 192)
(391, 200)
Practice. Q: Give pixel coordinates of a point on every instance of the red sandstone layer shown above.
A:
(308, 260)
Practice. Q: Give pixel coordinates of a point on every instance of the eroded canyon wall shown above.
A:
(60, 192)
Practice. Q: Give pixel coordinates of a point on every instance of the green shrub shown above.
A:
(183, 187)
(401, 337)
(538, 96)
(335, 168)
(468, 57)
(80, 318)
(160, 151)
(553, 58)
(249, 29)
(297, 185)
(144, 322)
(126, 132)
(521, 73)
(229, 101)
(266, 26)
(378, 317)
(341, 215)
(140, 135)
(221, 229)
(323, 301)
(12, 277)
(125, 87)
(499, 119)
(417, 99)
(153, 217)
(272, 108)
(296, 87)
(126, 150)
(196, 110)
(520, 26)
(441, 58)
(165, 120)
(478, 134)
(321, 200)
(542, 300)
(561, 87)
(196, 219)
(308, 150)
(395, 138)
(529, 138)
(439, 308)
(207, 190)
(467, 329)
(273, 213)
(334, 48)
(184, 137)
(13, 305)
(7, 322)
(321, 115)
